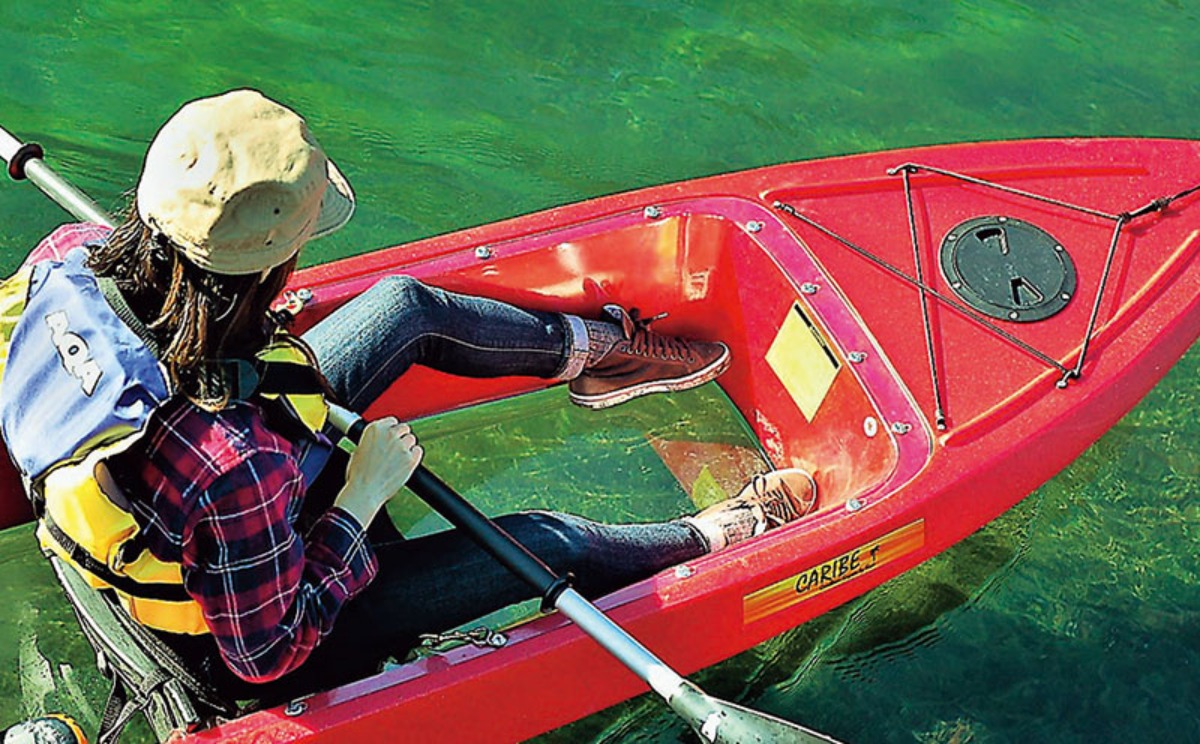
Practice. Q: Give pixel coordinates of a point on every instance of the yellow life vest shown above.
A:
(87, 523)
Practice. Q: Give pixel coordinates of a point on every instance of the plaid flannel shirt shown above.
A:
(222, 496)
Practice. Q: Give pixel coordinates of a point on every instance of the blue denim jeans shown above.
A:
(371, 340)
(437, 582)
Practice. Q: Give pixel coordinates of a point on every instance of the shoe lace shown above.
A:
(778, 503)
(647, 343)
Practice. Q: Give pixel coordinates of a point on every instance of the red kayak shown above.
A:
(933, 332)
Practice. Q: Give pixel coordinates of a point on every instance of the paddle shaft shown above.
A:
(713, 720)
(25, 161)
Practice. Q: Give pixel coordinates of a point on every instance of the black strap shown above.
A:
(84, 559)
(118, 709)
(272, 378)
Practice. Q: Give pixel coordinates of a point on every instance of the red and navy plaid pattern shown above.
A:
(64, 238)
(222, 494)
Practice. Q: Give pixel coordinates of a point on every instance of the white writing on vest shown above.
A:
(76, 358)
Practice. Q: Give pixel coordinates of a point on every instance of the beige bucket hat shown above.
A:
(238, 183)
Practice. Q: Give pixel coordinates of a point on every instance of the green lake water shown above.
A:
(1075, 617)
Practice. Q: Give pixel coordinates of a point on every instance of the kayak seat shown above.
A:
(146, 675)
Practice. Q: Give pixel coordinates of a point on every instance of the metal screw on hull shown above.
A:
(497, 640)
(808, 288)
(652, 212)
(483, 253)
(754, 226)
(899, 427)
(870, 426)
(854, 505)
(857, 357)
(295, 708)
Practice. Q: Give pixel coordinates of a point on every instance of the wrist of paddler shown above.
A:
(384, 460)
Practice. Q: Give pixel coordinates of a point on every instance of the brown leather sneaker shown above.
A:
(646, 362)
(767, 501)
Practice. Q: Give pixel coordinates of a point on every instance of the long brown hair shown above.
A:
(196, 317)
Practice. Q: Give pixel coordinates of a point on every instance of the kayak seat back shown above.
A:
(146, 675)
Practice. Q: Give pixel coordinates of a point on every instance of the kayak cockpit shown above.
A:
(807, 380)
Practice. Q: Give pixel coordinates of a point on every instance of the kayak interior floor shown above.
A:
(654, 458)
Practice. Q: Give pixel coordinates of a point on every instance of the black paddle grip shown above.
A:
(24, 153)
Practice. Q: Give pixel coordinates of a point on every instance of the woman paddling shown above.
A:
(174, 440)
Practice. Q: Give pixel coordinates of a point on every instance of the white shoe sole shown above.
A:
(671, 385)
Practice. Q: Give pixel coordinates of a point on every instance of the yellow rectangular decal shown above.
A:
(802, 360)
(833, 572)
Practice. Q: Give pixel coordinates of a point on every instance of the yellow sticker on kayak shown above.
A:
(802, 360)
(834, 572)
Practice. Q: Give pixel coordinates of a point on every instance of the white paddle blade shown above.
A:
(719, 722)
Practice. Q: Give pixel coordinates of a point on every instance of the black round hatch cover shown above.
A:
(1008, 269)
